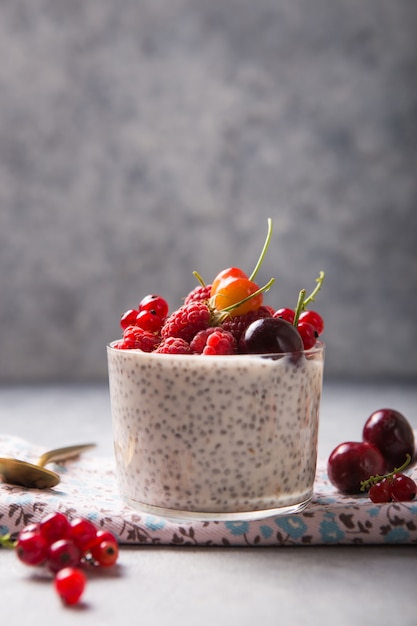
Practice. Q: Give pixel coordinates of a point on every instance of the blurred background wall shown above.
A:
(142, 140)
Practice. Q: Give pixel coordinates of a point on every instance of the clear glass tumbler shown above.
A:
(215, 437)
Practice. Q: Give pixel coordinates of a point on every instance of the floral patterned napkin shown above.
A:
(88, 488)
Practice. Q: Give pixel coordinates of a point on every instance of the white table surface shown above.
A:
(192, 586)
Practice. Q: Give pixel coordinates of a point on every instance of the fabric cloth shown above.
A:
(88, 488)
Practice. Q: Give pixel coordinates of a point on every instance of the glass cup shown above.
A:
(215, 437)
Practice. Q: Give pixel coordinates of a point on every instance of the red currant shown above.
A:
(381, 491)
(403, 488)
(82, 532)
(70, 583)
(63, 553)
(156, 303)
(105, 552)
(128, 318)
(313, 318)
(149, 321)
(54, 526)
(308, 334)
(285, 314)
(31, 547)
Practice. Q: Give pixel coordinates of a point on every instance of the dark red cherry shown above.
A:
(352, 462)
(390, 431)
(270, 335)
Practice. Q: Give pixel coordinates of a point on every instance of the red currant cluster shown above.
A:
(229, 304)
(376, 463)
(64, 546)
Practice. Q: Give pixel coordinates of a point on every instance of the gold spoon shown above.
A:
(36, 476)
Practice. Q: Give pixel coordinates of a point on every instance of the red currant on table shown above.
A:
(380, 492)
(105, 552)
(394, 486)
(63, 553)
(69, 584)
(403, 488)
(54, 526)
(63, 546)
(31, 548)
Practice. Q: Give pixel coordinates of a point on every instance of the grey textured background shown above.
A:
(141, 140)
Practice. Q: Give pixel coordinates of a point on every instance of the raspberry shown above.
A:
(173, 345)
(200, 294)
(186, 321)
(135, 337)
(213, 341)
(237, 325)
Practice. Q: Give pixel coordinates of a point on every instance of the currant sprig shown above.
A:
(6, 541)
(373, 480)
(304, 301)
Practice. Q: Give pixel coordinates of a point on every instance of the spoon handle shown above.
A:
(61, 454)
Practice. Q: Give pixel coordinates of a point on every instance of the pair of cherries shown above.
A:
(377, 462)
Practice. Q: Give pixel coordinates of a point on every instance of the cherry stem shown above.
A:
(199, 278)
(303, 301)
(264, 249)
(372, 480)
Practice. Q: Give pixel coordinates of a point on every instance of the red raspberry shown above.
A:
(200, 294)
(136, 338)
(237, 325)
(173, 345)
(212, 341)
(186, 321)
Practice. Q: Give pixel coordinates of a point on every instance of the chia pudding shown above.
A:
(215, 437)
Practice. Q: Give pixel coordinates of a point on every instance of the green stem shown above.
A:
(303, 301)
(200, 280)
(300, 306)
(312, 296)
(372, 480)
(264, 249)
(7, 542)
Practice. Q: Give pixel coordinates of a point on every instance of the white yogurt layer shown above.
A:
(215, 435)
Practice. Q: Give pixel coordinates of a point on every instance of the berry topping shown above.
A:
(270, 335)
(230, 303)
(213, 341)
(173, 345)
(136, 338)
(200, 293)
(237, 325)
(155, 303)
(187, 321)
